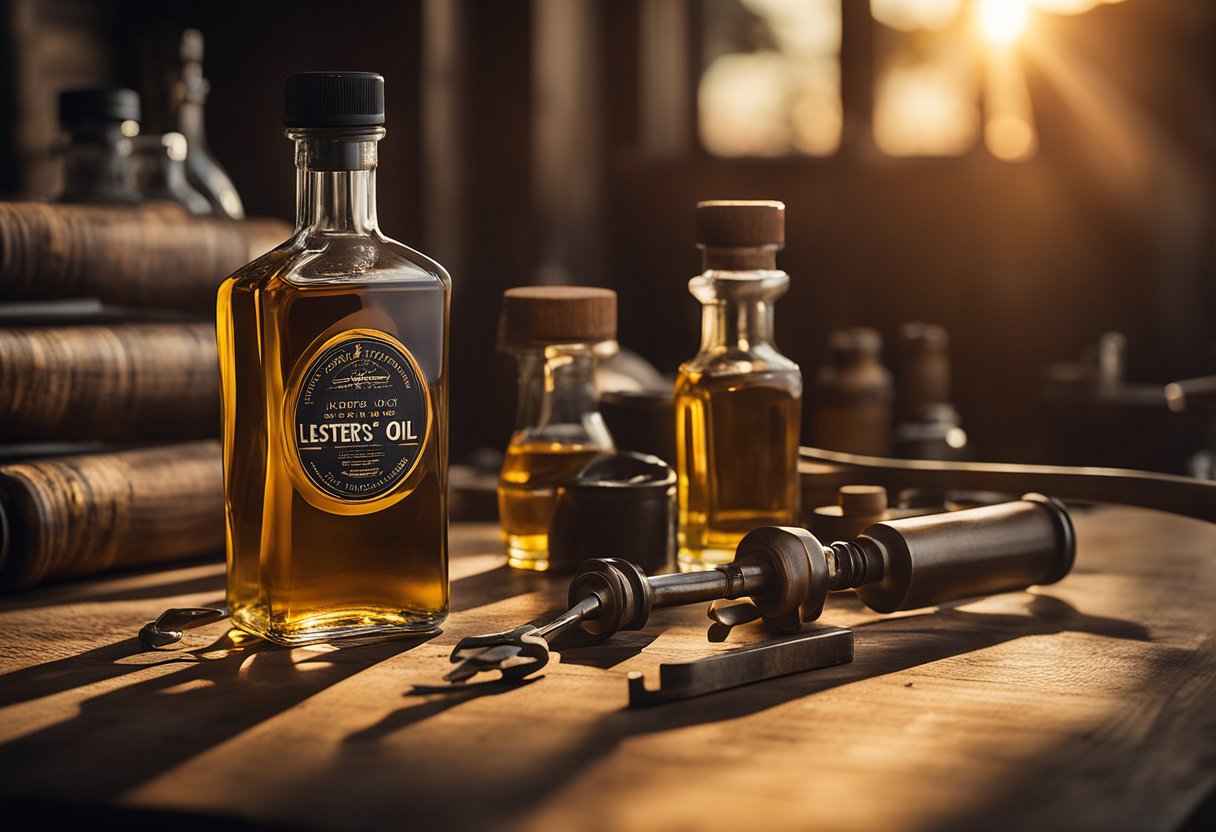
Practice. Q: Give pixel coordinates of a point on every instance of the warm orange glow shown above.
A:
(1003, 21)
(779, 101)
(908, 15)
(925, 110)
(1070, 6)
(1010, 138)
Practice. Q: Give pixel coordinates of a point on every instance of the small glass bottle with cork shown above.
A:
(556, 334)
(738, 400)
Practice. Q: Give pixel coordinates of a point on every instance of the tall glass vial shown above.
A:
(98, 162)
(556, 334)
(189, 97)
(738, 400)
(334, 359)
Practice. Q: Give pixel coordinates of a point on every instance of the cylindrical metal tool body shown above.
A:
(977, 551)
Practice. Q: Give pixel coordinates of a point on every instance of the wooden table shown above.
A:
(1090, 704)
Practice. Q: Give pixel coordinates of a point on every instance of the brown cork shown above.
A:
(740, 223)
(534, 315)
(78, 515)
(862, 500)
(154, 255)
(115, 383)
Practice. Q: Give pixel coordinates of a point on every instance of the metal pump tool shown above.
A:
(786, 575)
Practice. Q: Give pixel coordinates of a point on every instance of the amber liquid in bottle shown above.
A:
(738, 409)
(737, 439)
(307, 562)
(527, 495)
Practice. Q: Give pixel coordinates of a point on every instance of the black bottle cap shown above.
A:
(334, 99)
(100, 104)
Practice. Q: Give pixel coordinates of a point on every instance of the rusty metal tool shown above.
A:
(817, 648)
(785, 575)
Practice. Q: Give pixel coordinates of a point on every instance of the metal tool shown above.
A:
(817, 648)
(786, 574)
(823, 471)
(170, 626)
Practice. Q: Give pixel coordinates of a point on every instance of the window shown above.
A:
(947, 75)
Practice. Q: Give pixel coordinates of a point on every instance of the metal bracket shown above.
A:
(816, 648)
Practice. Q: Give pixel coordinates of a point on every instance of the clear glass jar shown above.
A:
(738, 400)
(161, 172)
(99, 126)
(557, 335)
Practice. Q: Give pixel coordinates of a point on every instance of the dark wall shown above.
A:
(1110, 226)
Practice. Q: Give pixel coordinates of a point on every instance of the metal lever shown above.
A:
(820, 647)
(169, 627)
(786, 574)
(516, 653)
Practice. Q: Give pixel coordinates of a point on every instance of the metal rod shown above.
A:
(688, 588)
(823, 470)
(586, 608)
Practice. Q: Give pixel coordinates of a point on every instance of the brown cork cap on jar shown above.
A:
(740, 223)
(533, 315)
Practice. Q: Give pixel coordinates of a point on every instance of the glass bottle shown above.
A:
(854, 395)
(557, 334)
(738, 400)
(98, 163)
(929, 426)
(203, 170)
(334, 372)
(162, 172)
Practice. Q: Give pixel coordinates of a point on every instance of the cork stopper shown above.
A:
(852, 344)
(537, 315)
(919, 336)
(740, 234)
(861, 500)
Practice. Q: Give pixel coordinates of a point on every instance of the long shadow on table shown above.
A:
(97, 665)
(83, 593)
(500, 583)
(882, 647)
(228, 688)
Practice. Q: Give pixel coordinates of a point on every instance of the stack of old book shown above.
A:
(109, 384)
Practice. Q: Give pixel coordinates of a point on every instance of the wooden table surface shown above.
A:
(1090, 704)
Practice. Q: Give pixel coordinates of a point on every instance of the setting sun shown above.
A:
(1003, 21)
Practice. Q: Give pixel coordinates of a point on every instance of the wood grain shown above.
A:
(1089, 704)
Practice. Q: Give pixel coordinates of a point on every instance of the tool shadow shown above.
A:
(882, 647)
(227, 687)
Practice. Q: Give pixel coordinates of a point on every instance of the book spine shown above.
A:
(153, 255)
(114, 383)
(78, 515)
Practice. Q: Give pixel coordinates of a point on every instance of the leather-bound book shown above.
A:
(71, 516)
(152, 255)
(138, 382)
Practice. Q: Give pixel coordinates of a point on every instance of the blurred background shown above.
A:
(1028, 174)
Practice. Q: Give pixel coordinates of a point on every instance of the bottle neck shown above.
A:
(98, 166)
(557, 386)
(189, 122)
(336, 180)
(737, 307)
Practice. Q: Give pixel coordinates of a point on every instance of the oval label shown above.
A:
(361, 416)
